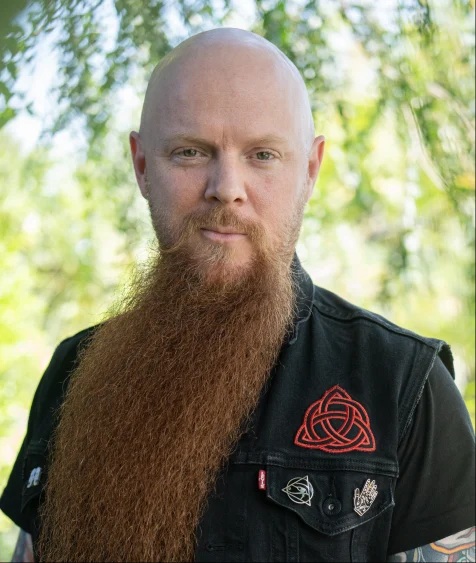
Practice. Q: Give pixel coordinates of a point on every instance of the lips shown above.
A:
(222, 234)
(223, 230)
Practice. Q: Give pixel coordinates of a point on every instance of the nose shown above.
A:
(226, 182)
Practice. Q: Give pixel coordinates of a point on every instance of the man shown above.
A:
(229, 410)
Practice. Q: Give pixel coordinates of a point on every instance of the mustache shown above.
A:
(214, 218)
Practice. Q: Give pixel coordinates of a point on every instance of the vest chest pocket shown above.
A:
(321, 515)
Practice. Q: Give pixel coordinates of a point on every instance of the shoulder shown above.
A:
(66, 353)
(72, 344)
(392, 361)
(53, 384)
(343, 315)
(340, 310)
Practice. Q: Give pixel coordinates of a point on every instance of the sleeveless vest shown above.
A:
(313, 476)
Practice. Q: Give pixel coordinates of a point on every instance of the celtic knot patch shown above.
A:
(336, 423)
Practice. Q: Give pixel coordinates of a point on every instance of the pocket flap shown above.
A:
(331, 502)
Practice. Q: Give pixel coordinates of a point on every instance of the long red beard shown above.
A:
(160, 398)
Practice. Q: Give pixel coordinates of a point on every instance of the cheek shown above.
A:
(278, 199)
(177, 189)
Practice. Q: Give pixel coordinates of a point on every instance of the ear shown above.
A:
(138, 160)
(316, 155)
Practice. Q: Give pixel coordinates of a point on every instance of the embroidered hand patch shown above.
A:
(337, 424)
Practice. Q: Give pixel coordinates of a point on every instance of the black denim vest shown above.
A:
(290, 490)
(278, 500)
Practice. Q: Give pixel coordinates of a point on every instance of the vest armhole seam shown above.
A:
(410, 391)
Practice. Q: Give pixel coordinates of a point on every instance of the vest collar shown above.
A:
(304, 288)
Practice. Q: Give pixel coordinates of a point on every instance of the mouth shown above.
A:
(222, 234)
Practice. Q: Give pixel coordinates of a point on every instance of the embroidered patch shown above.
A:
(364, 500)
(336, 424)
(300, 490)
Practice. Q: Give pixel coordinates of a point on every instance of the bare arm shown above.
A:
(458, 547)
(24, 549)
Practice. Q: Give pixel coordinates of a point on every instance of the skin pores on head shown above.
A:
(226, 122)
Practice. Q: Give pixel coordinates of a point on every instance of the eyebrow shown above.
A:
(187, 139)
(193, 140)
(270, 140)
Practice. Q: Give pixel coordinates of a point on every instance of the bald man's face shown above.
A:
(224, 141)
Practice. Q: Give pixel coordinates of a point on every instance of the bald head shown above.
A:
(222, 61)
(227, 127)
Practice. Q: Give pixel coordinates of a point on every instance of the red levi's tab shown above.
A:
(336, 424)
(262, 480)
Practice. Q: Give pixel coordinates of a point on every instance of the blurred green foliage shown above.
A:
(391, 222)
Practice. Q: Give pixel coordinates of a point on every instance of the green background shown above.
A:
(390, 226)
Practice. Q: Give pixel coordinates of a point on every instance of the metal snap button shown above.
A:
(331, 506)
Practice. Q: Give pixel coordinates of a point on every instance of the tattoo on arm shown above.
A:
(24, 549)
(458, 547)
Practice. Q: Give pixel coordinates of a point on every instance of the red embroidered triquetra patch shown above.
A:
(337, 424)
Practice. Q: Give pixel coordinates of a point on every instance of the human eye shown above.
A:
(265, 155)
(188, 153)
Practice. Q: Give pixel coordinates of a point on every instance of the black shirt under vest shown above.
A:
(360, 447)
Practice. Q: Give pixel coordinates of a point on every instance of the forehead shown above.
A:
(234, 94)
